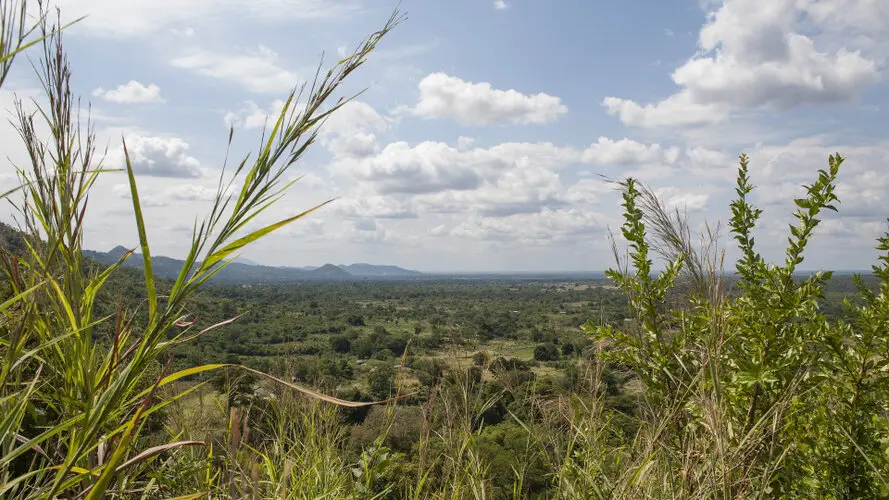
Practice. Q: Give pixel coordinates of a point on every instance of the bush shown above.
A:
(546, 352)
(341, 345)
(381, 380)
(779, 399)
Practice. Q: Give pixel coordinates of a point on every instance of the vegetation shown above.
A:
(696, 382)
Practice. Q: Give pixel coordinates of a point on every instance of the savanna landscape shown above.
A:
(690, 359)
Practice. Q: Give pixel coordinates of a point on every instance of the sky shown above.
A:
(487, 125)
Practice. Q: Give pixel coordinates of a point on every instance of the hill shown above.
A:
(240, 272)
(330, 272)
(372, 270)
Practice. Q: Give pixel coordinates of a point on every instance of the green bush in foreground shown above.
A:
(757, 395)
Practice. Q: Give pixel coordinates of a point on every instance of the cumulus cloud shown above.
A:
(349, 132)
(147, 198)
(521, 190)
(431, 167)
(753, 54)
(704, 158)
(424, 168)
(500, 181)
(159, 195)
(445, 96)
(587, 191)
(357, 145)
(353, 117)
(366, 231)
(157, 156)
(500, 4)
(546, 227)
(778, 171)
(683, 200)
(252, 116)
(678, 109)
(131, 92)
(627, 152)
(191, 192)
(259, 71)
(375, 207)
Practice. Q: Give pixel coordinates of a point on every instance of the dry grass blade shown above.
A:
(323, 397)
(35, 447)
(157, 450)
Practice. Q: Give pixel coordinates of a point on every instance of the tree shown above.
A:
(567, 349)
(479, 359)
(381, 380)
(342, 345)
(546, 352)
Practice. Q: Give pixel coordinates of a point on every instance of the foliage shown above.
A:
(756, 394)
(78, 393)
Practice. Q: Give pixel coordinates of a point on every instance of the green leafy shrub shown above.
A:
(757, 393)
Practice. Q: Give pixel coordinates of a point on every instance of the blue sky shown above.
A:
(479, 143)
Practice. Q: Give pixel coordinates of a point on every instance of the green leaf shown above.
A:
(143, 238)
(241, 242)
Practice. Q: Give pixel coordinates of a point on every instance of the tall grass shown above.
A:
(77, 390)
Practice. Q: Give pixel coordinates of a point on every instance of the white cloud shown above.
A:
(366, 231)
(547, 227)
(851, 229)
(349, 132)
(358, 145)
(500, 4)
(431, 167)
(427, 167)
(147, 199)
(587, 191)
(682, 199)
(156, 156)
(708, 159)
(137, 18)
(779, 171)
(251, 116)
(678, 109)
(160, 195)
(259, 71)
(495, 182)
(374, 207)
(305, 228)
(311, 181)
(191, 192)
(354, 117)
(521, 190)
(444, 96)
(753, 54)
(627, 152)
(131, 92)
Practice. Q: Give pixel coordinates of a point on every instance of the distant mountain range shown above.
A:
(244, 271)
